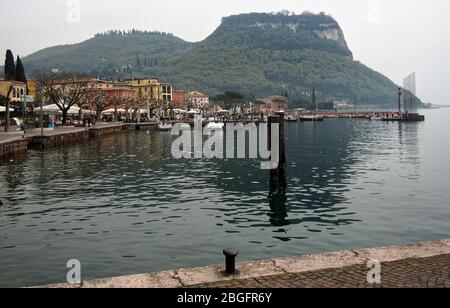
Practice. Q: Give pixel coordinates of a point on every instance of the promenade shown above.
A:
(16, 142)
(422, 265)
(433, 272)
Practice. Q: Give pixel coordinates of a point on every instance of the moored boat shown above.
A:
(291, 118)
(376, 118)
(164, 127)
(215, 125)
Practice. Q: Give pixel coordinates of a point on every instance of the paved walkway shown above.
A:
(14, 134)
(433, 272)
(424, 264)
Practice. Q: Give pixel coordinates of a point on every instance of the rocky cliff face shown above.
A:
(324, 31)
(303, 28)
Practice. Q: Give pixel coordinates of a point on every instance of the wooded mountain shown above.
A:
(256, 54)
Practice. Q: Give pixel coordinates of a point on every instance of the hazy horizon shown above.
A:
(382, 35)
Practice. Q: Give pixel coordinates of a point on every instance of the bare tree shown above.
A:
(97, 97)
(116, 101)
(7, 100)
(139, 102)
(65, 90)
(129, 105)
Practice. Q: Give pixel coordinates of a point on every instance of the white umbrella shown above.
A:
(112, 110)
(74, 110)
(55, 109)
(48, 108)
(3, 109)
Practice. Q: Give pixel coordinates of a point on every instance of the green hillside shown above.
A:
(256, 54)
(108, 52)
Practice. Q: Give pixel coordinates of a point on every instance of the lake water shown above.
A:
(122, 205)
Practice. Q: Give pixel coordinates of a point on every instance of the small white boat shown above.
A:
(164, 127)
(376, 118)
(215, 125)
(291, 118)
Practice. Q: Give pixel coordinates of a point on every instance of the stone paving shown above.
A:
(433, 272)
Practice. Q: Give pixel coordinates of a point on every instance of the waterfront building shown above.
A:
(114, 89)
(150, 89)
(179, 97)
(259, 107)
(32, 89)
(166, 92)
(270, 105)
(18, 92)
(198, 99)
(151, 93)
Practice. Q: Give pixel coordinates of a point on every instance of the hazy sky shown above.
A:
(394, 37)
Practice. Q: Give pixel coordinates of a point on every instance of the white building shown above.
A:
(198, 99)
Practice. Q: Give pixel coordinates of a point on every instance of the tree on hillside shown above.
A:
(230, 100)
(64, 90)
(314, 100)
(20, 71)
(10, 67)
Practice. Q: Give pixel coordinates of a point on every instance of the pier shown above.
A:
(411, 117)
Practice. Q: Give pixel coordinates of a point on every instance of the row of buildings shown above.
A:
(147, 91)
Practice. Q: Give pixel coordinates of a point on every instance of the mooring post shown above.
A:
(230, 260)
(278, 174)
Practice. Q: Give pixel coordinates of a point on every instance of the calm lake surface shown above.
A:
(122, 205)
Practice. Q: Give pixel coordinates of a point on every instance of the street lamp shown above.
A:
(24, 104)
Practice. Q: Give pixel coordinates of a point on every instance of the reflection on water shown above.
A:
(121, 204)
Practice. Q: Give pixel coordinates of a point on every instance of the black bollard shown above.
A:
(230, 260)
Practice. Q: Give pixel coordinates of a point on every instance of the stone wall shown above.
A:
(59, 139)
(10, 148)
(98, 132)
(64, 138)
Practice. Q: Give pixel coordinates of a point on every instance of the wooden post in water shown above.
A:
(278, 175)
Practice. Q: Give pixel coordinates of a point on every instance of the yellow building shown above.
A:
(18, 90)
(32, 88)
(151, 89)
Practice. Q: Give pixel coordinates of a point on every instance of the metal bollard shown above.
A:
(230, 260)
